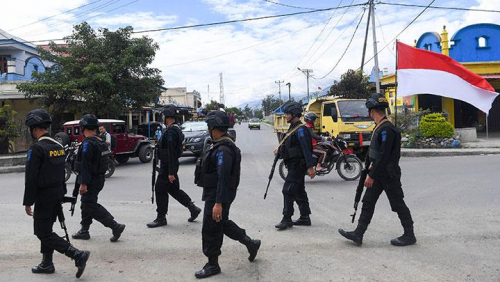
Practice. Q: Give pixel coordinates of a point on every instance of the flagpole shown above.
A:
(396, 89)
(487, 126)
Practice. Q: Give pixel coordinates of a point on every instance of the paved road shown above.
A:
(455, 202)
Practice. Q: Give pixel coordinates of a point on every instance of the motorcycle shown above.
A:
(71, 154)
(338, 157)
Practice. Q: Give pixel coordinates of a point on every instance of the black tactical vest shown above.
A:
(103, 162)
(52, 169)
(291, 148)
(206, 172)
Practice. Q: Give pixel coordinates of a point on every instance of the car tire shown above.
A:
(111, 168)
(67, 172)
(122, 158)
(63, 138)
(145, 154)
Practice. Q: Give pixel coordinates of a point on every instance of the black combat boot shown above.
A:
(80, 258)
(304, 220)
(356, 236)
(195, 211)
(117, 231)
(408, 238)
(46, 266)
(210, 269)
(252, 246)
(285, 223)
(82, 234)
(157, 222)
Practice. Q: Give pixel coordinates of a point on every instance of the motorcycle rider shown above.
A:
(310, 118)
(296, 152)
(91, 165)
(384, 175)
(45, 187)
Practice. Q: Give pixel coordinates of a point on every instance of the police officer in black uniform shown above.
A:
(45, 187)
(384, 175)
(91, 165)
(170, 149)
(296, 152)
(219, 175)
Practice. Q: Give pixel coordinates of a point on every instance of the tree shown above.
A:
(8, 129)
(247, 111)
(270, 103)
(213, 105)
(236, 111)
(106, 70)
(352, 85)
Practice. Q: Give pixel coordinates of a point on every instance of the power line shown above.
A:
(348, 45)
(382, 31)
(316, 40)
(440, 7)
(217, 23)
(44, 19)
(289, 6)
(404, 29)
(247, 19)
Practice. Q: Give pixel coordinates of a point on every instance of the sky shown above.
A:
(252, 55)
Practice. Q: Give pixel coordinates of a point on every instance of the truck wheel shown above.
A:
(63, 138)
(122, 158)
(145, 154)
(67, 171)
(111, 168)
(282, 170)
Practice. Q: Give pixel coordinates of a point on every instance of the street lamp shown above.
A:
(307, 72)
(289, 95)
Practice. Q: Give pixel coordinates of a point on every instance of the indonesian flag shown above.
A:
(425, 72)
(319, 88)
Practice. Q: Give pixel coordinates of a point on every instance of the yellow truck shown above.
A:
(347, 118)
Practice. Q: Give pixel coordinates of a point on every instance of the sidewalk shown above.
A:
(481, 147)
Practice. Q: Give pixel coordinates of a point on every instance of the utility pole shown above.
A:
(289, 95)
(366, 38)
(307, 72)
(377, 79)
(208, 94)
(221, 98)
(279, 87)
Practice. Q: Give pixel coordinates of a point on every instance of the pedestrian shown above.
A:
(91, 165)
(296, 152)
(219, 175)
(384, 175)
(105, 136)
(167, 183)
(45, 187)
(158, 133)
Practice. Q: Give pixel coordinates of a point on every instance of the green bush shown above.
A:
(435, 125)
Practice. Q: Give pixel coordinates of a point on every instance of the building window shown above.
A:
(35, 67)
(482, 42)
(3, 63)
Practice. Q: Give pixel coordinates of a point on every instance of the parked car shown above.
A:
(123, 144)
(195, 133)
(254, 123)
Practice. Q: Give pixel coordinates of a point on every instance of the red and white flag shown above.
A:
(425, 72)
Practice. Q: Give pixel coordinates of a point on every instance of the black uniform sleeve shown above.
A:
(224, 158)
(387, 139)
(33, 164)
(305, 145)
(314, 135)
(173, 162)
(87, 152)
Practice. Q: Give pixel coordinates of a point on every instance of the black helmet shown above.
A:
(310, 117)
(376, 101)
(169, 111)
(293, 108)
(38, 117)
(217, 119)
(89, 121)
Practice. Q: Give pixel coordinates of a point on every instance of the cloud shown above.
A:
(140, 20)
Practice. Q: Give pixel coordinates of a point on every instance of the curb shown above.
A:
(446, 152)
(11, 169)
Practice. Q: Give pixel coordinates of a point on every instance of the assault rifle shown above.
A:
(155, 167)
(359, 191)
(76, 191)
(276, 158)
(60, 216)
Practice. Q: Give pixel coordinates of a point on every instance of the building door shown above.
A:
(430, 102)
(466, 115)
